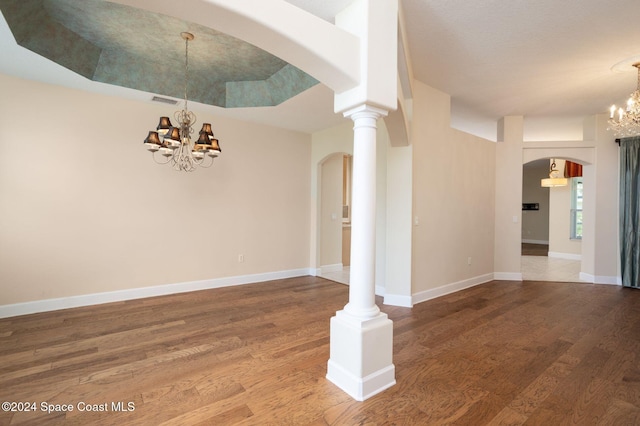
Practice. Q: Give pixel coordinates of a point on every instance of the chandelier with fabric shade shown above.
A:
(174, 143)
(626, 122)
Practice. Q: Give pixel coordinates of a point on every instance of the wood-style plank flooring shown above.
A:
(528, 249)
(502, 353)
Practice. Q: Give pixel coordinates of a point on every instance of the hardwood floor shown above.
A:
(528, 249)
(501, 353)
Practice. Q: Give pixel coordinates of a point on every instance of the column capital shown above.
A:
(365, 111)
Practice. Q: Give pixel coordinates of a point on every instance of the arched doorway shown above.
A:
(334, 226)
(552, 227)
(586, 259)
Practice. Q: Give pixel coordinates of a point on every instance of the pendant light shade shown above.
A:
(554, 179)
(175, 143)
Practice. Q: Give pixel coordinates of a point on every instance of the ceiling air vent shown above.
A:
(164, 100)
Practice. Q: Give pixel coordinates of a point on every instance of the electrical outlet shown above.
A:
(240, 258)
(469, 260)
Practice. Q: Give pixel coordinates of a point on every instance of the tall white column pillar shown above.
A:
(361, 343)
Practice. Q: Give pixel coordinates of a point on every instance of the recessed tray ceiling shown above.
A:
(137, 49)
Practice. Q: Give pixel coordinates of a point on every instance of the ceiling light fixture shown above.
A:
(174, 143)
(627, 122)
(554, 178)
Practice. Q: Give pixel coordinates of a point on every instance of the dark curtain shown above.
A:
(630, 211)
(572, 169)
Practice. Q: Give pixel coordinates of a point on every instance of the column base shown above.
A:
(361, 358)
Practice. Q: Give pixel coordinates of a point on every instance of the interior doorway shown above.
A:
(551, 246)
(335, 217)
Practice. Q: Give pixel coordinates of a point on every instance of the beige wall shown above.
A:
(84, 209)
(398, 287)
(453, 196)
(560, 223)
(601, 201)
(324, 144)
(339, 140)
(331, 211)
(535, 223)
(382, 148)
(508, 197)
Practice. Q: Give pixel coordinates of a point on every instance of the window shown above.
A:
(576, 208)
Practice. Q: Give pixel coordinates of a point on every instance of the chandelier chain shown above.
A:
(186, 71)
(175, 143)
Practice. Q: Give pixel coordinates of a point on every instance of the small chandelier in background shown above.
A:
(174, 143)
(627, 122)
(554, 178)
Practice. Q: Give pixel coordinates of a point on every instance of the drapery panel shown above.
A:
(572, 169)
(630, 211)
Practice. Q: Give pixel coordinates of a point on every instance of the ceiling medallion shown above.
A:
(174, 143)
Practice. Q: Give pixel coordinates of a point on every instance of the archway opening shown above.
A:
(334, 224)
(552, 221)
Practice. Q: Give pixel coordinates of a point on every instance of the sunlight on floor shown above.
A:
(338, 276)
(534, 268)
(543, 268)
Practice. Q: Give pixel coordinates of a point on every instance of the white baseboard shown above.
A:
(336, 267)
(139, 293)
(600, 279)
(450, 288)
(398, 300)
(568, 256)
(358, 388)
(507, 276)
(535, 242)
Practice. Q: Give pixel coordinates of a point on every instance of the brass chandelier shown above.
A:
(175, 143)
(626, 122)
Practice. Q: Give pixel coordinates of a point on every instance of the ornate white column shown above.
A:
(361, 342)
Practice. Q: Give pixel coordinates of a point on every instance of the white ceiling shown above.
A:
(495, 58)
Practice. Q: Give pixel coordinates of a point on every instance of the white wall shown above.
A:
(84, 209)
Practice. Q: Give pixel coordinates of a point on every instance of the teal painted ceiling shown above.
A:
(137, 49)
